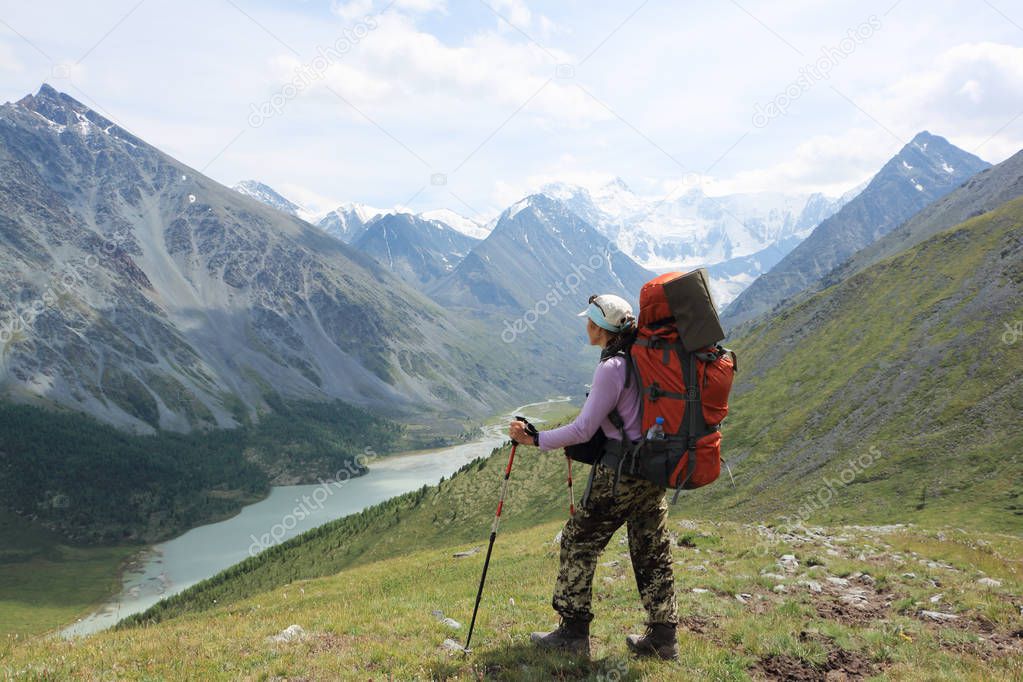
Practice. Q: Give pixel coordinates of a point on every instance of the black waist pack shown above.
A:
(590, 451)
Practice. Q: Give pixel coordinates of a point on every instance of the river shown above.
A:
(170, 567)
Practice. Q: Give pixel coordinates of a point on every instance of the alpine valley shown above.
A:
(171, 348)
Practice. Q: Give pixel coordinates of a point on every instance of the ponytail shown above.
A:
(622, 341)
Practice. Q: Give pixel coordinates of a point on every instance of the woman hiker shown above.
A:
(635, 502)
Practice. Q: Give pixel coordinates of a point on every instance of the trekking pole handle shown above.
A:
(530, 429)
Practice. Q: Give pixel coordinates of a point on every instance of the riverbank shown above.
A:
(170, 567)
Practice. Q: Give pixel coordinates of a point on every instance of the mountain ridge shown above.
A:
(893, 195)
(214, 293)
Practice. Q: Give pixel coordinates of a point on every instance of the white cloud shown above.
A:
(421, 5)
(8, 62)
(308, 199)
(515, 11)
(444, 77)
(969, 93)
(353, 9)
(397, 64)
(831, 164)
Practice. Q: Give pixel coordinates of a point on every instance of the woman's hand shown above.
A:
(517, 432)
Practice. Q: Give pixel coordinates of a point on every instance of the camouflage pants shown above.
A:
(642, 506)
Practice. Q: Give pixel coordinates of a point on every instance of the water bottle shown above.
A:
(656, 432)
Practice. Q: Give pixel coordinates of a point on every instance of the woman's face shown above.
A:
(595, 333)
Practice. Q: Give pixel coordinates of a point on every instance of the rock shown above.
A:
(700, 590)
(466, 553)
(773, 576)
(855, 597)
(557, 538)
(936, 598)
(780, 588)
(611, 564)
(744, 597)
(939, 616)
(811, 585)
(699, 568)
(832, 552)
(989, 582)
(452, 645)
(511, 601)
(788, 563)
(838, 582)
(909, 575)
(292, 633)
(452, 623)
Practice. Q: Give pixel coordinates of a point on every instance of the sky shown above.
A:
(470, 105)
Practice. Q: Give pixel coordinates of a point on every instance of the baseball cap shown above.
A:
(609, 312)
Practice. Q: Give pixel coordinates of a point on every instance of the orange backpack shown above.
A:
(685, 384)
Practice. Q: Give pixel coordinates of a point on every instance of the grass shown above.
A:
(376, 620)
(45, 582)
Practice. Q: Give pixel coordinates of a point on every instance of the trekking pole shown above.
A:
(493, 536)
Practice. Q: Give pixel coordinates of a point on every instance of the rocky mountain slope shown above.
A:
(540, 256)
(418, 251)
(926, 169)
(139, 291)
(984, 192)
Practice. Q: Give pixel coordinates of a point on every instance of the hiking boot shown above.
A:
(571, 635)
(659, 640)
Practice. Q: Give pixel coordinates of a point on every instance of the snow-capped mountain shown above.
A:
(456, 221)
(271, 197)
(744, 233)
(348, 221)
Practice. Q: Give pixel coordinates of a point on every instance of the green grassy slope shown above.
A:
(904, 370)
(378, 621)
(45, 581)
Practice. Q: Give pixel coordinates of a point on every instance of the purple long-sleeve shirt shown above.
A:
(606, 393)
